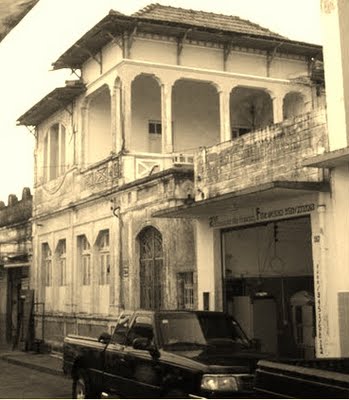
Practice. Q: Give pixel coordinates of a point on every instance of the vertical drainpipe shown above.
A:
(117, 214)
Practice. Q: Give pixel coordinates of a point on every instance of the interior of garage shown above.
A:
(268, 284)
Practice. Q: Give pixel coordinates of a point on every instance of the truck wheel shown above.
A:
(82, 388)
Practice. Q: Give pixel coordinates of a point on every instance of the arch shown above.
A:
(146, 114)
(293, 105)
(151, 268)
(99, 142)
(251, 108)
(54, 151)
(195, 114)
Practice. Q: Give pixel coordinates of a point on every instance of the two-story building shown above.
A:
(200, 118)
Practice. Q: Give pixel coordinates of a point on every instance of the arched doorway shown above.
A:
(151, 269)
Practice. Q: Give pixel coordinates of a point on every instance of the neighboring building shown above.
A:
(15, 256)
(115, 154)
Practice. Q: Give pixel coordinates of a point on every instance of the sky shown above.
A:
(52, 26)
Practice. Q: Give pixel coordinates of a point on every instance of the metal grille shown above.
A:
(151, 269)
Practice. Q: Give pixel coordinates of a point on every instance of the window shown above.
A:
(85, 260)
(185, 290)
(54, 152)
(154, 127)
(47, 263)
(119, 335)
(104, 258)
(61, 261)
(141, 328)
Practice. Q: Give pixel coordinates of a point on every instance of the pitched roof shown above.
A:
(204, 19)
(181, 23)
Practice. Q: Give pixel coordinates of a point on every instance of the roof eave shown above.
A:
(75, 62)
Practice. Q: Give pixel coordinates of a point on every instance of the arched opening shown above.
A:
(195, 115)
(250, 109)
(99, 126)
(293, 105)
(151, 272)
(54, 152)
(146, 115)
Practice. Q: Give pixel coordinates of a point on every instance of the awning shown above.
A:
(329, 159)
(15, 261)
(247, 197)
(53, 102)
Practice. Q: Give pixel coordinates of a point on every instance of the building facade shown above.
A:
(176, 111)
(15, 258)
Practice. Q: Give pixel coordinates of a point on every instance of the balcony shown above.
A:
(273, 154)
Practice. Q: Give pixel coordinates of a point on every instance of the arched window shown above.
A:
(54, 152)
(151, 269)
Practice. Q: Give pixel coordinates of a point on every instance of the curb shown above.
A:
(30, 365)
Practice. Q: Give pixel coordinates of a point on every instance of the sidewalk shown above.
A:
(49, 363)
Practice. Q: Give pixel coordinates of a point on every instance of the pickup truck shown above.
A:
(164, 354)
(311, 379)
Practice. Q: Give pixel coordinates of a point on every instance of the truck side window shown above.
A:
(119, 335)
(141, 328)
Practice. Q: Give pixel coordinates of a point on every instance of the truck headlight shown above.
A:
(222, 383)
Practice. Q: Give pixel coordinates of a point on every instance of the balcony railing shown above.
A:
(272, 154)
(139, 165)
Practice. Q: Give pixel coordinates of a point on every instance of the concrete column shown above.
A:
(278, 103)
(83, 155)
(166, 117)
(224, 112)
(126, 110)
(208, 266)
(336, 54)
(116, 118)
(320, 258)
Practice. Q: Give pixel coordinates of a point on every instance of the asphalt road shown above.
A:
(18, 382)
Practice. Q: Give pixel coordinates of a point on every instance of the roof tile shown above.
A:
(205, 19)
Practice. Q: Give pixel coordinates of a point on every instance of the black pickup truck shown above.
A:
(303, 379)
(164, 354)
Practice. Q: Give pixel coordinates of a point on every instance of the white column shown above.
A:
(336, 42)
(278, 103)
(224, 112)
(116, 119)
(208, 265)
(126, 110)
(166, 117)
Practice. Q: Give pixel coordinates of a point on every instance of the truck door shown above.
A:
(142, 371)
(114, 365)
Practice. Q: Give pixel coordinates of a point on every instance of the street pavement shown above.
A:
(27, 375)
(21, 382)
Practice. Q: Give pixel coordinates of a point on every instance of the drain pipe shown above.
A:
(117, 213)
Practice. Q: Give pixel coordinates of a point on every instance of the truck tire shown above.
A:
(82, 387)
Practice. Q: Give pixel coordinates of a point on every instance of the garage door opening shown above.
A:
(268, 284)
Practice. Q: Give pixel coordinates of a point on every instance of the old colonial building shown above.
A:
(15, 256)
(170, 175)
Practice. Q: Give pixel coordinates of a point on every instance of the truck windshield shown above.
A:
(195, 330)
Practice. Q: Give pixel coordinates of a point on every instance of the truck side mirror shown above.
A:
(104, 338)
(145, 344)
